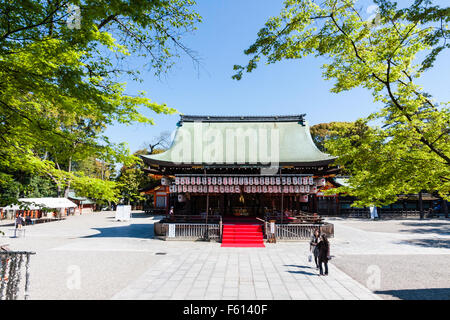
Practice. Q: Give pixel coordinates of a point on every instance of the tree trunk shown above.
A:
(67, 189)
(420, 205)
(445, 207)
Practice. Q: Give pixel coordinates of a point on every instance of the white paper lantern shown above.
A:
(283, 181)
(289, 180)
(199, 181)
(294, 181)
(258, 189)
(216, 189)
(291, 189)
(302, 189)
(307, 189)
(177, 180)
(209, 180)
(297, 189)
(185, 188)
(278, 181)
(189, 188)
(225, 181)
(272, 180)
(269, 189)
(311, 180)
(250, 181)
(222, 189)
(264, 189)
(241, 181)
(246, 181)
(235, 181)
(267, 181)
(253, 189)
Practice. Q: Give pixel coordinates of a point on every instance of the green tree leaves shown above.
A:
(61, 86)
(411, 151)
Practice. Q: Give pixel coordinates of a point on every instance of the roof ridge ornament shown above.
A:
(300, 118)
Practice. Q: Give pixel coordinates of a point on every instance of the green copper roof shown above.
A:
(343, 181)
(83, 200)
(277, 140)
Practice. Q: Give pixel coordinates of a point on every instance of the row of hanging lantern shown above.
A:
(249, 181)
(245, 189)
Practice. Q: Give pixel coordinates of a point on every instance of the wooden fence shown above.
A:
(382, 213)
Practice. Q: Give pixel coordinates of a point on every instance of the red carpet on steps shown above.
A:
(242, 234)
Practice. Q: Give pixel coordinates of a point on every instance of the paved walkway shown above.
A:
(279, 271)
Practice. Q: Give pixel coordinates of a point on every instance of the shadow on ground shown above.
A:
(428, 243)
(138, 215)
(440, 228)
(301, 271)
(419, 294)
(141, 231)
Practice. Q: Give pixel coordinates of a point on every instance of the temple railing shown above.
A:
(302, 231)
(189, 231)
(14, 274)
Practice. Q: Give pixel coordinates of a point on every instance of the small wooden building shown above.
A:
(160, 196)
(36, 208)
(84, 205)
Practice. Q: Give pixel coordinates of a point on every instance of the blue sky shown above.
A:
(288, 87)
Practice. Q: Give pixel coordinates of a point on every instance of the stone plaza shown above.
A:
(95, 257)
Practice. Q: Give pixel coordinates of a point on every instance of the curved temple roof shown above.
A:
(227, 141)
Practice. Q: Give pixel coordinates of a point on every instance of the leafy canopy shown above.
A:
(63, 79)
(410, 152)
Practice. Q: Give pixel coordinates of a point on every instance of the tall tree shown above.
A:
(61, 63)
(323, 132)
(411, 151)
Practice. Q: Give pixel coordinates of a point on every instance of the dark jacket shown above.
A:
(313, 245)
(324, 250)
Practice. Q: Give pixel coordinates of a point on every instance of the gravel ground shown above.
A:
(406, 226)
(413, 256)
(406, 277)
